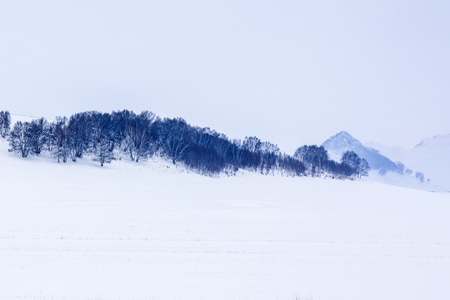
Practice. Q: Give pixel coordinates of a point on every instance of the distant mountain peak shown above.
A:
(441, 140)
(342, 142)
(343, 134)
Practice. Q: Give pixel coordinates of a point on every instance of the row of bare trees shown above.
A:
(107, 136)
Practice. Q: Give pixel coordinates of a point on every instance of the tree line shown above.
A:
(108, 136)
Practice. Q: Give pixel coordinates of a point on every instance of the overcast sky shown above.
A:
(291, 72)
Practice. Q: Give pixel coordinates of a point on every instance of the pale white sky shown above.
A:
(292, 72)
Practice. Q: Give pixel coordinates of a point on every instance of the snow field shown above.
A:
(150, 231)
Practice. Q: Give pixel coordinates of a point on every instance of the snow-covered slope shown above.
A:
(431, 157)
(383, 167)
(149, 231)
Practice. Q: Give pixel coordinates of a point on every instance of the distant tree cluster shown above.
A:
(317, 162)
(104, 137)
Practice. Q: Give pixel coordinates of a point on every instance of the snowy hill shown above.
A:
(110, 137)
(430, 156)
(343, 141)
(384, 169)
(149, 231)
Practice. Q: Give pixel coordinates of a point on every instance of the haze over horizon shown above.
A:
(290, 72)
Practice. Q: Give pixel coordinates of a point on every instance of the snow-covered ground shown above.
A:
(149, 231)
